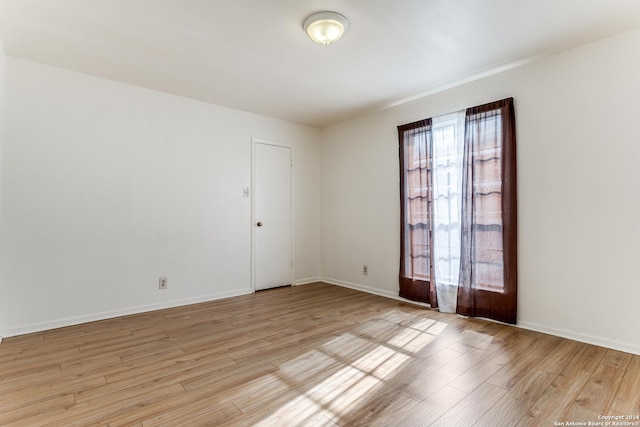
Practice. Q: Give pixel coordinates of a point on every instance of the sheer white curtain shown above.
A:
(447, 167)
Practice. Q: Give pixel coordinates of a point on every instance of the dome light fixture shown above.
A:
(325, 27)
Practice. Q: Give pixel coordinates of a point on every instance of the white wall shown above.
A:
(107, 187)
(578, 177)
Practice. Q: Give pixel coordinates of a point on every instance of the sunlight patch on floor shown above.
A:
(381, 362)
(367, 365)
(299, 410)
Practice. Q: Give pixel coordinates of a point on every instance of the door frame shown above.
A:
(254, 142)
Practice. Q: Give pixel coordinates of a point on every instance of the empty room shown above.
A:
(319, 213)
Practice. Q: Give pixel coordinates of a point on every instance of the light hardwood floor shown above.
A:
(309, 355)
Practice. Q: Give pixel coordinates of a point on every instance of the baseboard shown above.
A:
(370, 290)
(70, 321)
(60, 323)
(307, 281)
(589, 339)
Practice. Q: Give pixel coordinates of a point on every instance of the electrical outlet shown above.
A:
(162, 283)
(365, 270)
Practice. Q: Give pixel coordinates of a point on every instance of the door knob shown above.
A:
(259, 224)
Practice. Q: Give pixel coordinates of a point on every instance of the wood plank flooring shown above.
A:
(309, 355)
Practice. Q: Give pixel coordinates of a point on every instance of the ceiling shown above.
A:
(253, 55)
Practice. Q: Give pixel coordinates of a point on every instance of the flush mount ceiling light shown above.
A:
(325, 27)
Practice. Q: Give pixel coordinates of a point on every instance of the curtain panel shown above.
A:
(488, 267)
(485, 225)
(415, 191)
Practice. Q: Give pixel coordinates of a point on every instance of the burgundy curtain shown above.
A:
(488, 267)
(415, 200)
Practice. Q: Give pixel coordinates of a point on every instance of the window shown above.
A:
(458, 210)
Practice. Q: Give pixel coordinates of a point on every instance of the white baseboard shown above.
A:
(589, 339)
(370, 290)
(70, 321)
(576, 336)
(307, 280)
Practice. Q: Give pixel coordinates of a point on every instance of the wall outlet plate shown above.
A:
(162, 283)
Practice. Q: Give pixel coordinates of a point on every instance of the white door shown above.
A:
(272, 216)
